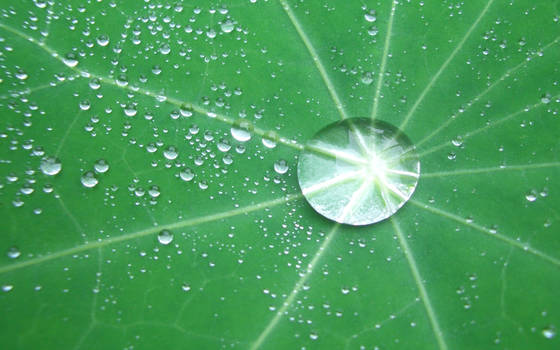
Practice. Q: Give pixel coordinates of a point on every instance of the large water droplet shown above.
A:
(358, 171)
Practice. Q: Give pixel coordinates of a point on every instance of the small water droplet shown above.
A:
(531, 196)
(50, 166)
(70, 60)
(165, 237)
(13, 253)
(549, 332)
(170, 153)
(89, 180)
(281, 166)
(228, 26)
(242, 131)
(186, 174)
(186, 287)
(101, 166)
(103, 40)
(370, 16)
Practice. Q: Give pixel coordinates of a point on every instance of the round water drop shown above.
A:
(103, 40)
(165, 49)
(281, 166)
(89, 180)
(242, 131)
(186, 287)
(370, 16)
(101, 166)
(531, 196)
(269, 140)
(549, 332)
(165, 237)
(50, 166)
(21, 74)
(70, 60)
(13, 253)
(186, 174)
(358, 171)
(228, 26)
(170, 153)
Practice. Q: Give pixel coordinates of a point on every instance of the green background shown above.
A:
(468, 263)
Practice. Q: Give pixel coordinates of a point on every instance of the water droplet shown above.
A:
(242, 131)
(103, 40)
(227, 26)
(165, 237)
(186, 287)
(170, 153)
(7, 287)
(101, 166)
(70, 60)
(154, 191)
(50, 166)
(531, 196)
(165, 49)
(13, 253)
(89, 180)
(358, 171)
(186, 174)
(281, 166)
(269, 140)
(549, 332)
(313, 336)
(223, 145)
(21, 74)
(370, 16)
(367, 78)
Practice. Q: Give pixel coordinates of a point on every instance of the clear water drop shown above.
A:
(50, 166)
(170, 153)
(70, 60)
(241, 131)
(227, 26)
(186, 174)
(13, 253)
(89, 180)
(101, 166)
(358, 171)
(281, 166)
(165, 237)
(549, 332)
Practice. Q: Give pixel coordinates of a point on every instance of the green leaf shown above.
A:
(158, 91)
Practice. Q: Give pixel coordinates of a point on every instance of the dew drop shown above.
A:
(549, 332)
(70, 60)
(89, 180)
(370, 16)
(165, 237)
(281, 166)
(269, 140)
(186, 287)
(101, 166)
(13, 253)
(358, 171)
(165, 49)
(227, 26)
(50, 166)
(242, 131)
(170, 153)
(103, 40)
(186, 174)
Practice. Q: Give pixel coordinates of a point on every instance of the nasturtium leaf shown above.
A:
(149, 191)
